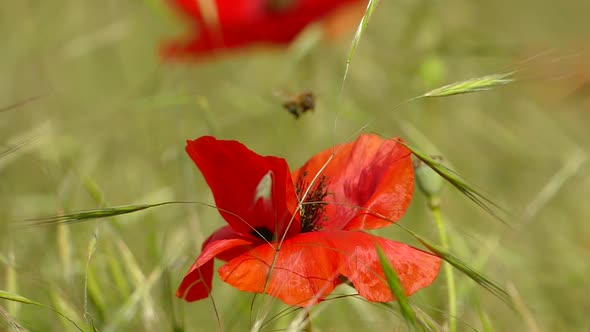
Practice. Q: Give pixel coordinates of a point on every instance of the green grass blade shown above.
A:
(64, 246)
(96, 296)
(138, 278)
(129, 308)
(477, 84)
(397, 290)
(523, 310)
(19, 145)
(8, 323)
(456, 181)
(95, 214)
(94, 190)
(301, 48)
(91, 250)
(485, 320)
(16, 298)
(357, 37)
(12, 281)
(61, 304)
(21, 299)
(157, 7)
(429, 323)
(117, 272)
(20, 103)
(470, 272)
(466, 269)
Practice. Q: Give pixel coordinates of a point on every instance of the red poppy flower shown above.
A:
(239, 23)
(324, 243)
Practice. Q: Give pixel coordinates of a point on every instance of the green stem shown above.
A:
(308, 327)
(452, 296)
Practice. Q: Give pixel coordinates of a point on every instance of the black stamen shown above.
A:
(263, 233)
(313, 206)
(278, 6)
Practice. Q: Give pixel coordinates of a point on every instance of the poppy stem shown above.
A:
(452, 296)
(307, 327)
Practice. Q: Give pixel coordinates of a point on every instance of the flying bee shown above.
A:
(300, 103)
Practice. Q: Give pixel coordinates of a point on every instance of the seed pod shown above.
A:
(429, 182)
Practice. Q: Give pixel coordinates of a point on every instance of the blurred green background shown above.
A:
(110, 119)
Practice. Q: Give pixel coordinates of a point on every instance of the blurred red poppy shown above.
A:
(324, 243)
(231, 24)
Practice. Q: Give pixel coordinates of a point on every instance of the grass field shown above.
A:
(91, 117)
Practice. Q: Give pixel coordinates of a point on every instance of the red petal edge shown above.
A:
(234, 173)
(309, 265)
(241, 23)
(196, 285)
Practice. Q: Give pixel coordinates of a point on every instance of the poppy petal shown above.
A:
(300, 276)
(252, 192)
(196, 284)
(343, 20)
(310, 265)
(211, 22)
(240, 23)
(360, 264)
(228, 233)
(370, 173)
(268, 23)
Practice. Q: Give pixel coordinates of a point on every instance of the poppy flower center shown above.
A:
(313, 207)
(263, 233)
(277, 6)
